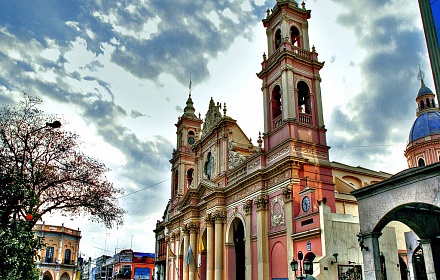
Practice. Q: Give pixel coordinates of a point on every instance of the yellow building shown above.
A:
(58, 260)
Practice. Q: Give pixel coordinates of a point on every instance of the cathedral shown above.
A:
(276, 210)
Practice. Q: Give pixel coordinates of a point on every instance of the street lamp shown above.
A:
(305, 265)
(54, 124)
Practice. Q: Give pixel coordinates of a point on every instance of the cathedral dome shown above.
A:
(424, 90)
(426, 124)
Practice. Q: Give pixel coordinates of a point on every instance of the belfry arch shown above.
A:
(411, 197)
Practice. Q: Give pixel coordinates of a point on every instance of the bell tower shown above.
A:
(291, 81)
(188, 131)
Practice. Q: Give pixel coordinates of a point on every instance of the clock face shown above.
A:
(305, 204)
(190, 140)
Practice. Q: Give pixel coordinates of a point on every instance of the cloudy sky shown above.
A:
(118, 72)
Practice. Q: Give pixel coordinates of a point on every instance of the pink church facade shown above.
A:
(245, 211)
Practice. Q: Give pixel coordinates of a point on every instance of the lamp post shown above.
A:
(304, 265)
(55, 124)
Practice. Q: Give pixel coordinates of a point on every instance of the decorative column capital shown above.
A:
(219, 216)
(261, 202)
(209, 219)
(287, 192)
(185, 230)
(193, 227)
(247, 207)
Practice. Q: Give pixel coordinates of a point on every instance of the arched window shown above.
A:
(189, 176)
(176, 182)
(428, 104)
(277, 39)
(277, 105)
(421, 162)
(67, 255)
(49, 254)
(304, 105)
(422, 105)
(294, 36)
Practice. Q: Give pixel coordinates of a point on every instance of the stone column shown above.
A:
(176, 259)
(193, 229)
(219, 245)
(318, 100)
(185, 253)
(209, 247)
(287, 192)
(266, 110)
(262, 238)
(247, 207)
(172, 273)
(289, 104)
(429, 261)
(369, 243)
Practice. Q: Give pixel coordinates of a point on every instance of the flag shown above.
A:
(201, 248)
(170, 252)
(188, 255)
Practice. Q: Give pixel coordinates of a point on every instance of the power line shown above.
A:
(363, 146)
(144, 188)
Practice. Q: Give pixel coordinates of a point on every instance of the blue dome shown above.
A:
(426, 124)
(424, 90)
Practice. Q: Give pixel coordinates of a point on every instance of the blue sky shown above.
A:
(118, 72)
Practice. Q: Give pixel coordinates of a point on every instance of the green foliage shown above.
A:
(18, 248)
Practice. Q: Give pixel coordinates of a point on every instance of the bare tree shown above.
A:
(42, 169)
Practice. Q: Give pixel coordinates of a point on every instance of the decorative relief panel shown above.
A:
(310, 152)
(278, 179)
(277, 211)
(254, 165)
(244, 193)
(278, 155)
(235, 158)
(215, 202)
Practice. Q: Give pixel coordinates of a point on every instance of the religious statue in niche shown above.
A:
(277, 211)
(235, 158)
(209, 166)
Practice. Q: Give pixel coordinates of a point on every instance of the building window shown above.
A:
(294, 36)
(49, 254)
(304, 104)
(67, 255)
(421, 162)
(277, 39)
(189, 177)
(277, 107)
